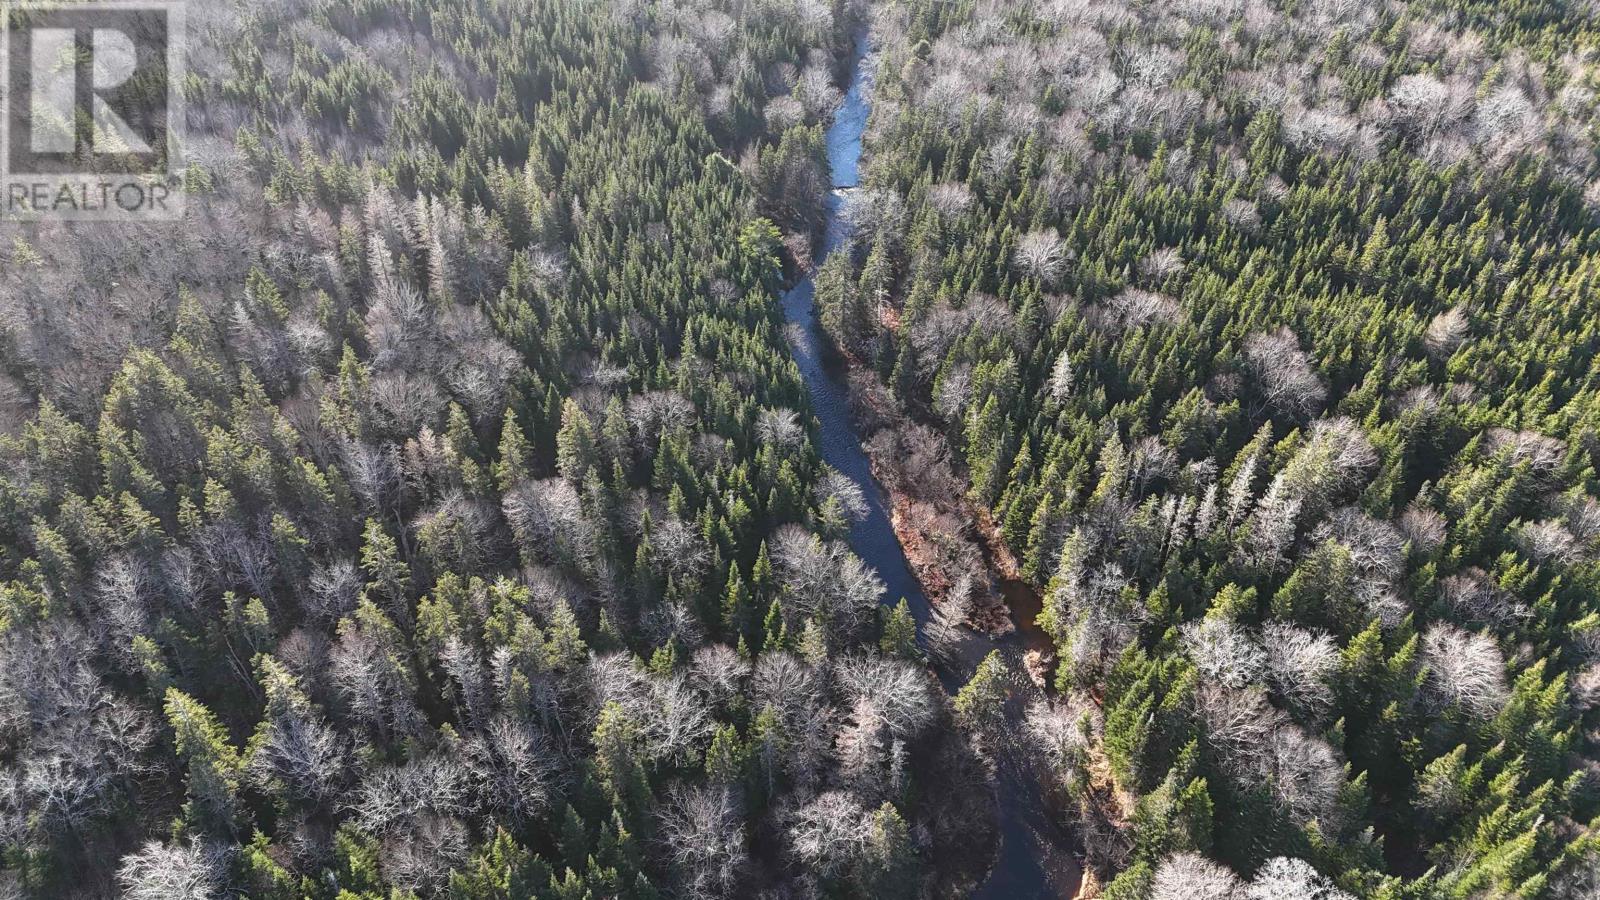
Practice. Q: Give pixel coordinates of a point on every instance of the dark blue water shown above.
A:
(1027, 835)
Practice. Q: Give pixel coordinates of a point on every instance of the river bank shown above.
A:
(1033, 858)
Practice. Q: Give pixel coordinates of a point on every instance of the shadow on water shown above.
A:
(1025, 605)
(1033, 860)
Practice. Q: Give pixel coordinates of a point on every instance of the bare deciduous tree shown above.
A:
(784, 682)
(1239, 725)
(420, 856)
(1323, 129)
(1424, 105)
(1543, 455)
(1061, 377)
(1224, 653)
(301, 755)
(720, 672)
(513, 769)
(1474, 597)
(70, 773)
(1423, 527)
(1376, 549)
(1190, 876)
(828, 834)
(815, 90)
(403, 402)
(392, 799)
(1306, 777)
(122, 586)
(780, 428)
(1135, 308)
(1465, 670)
(655, 414)
(703, 833)
(681, 551)
(1067, 731)
(1273, 526)
(373, 472)
(825, 582)
(334, 589)
(1547, 542)
(952, 199)
(1160, 264)
(400, 327)
(783, 113)
(1283, 373)
(1337, 458)
(180, 872)
(673, 717)
(1242, 214)
(681, 725)
(1282, 878)
(1582, 515)
(1446, 332)
(547, 516)
(1041, 255)
(1241, 491)
(1301, 666)
(374, 682)
(898, 690)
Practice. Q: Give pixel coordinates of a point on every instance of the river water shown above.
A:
(1033, 859)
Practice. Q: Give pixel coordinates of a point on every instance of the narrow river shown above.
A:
(1033, 859)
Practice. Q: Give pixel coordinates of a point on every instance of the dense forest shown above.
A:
(439, 511)
(1263, 334)
(435, 511)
